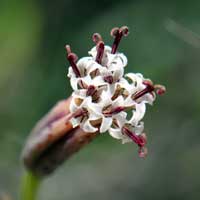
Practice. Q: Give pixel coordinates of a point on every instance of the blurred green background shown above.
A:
(164, 45)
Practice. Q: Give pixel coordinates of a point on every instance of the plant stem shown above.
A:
(29, 187)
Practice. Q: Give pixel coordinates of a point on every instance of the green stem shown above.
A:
(30, 185)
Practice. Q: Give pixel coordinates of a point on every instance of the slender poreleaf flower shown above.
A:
(102, 100)
(103, 96)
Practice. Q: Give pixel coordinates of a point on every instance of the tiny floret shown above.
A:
(104, 97)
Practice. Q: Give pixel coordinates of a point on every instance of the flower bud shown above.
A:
(53, 140)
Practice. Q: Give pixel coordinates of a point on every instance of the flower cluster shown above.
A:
(104, 99)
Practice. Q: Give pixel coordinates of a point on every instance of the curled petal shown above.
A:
(73, 106)
(118, 74)
(105, 124)
(116, 133)
(75, 122)
(79, 93)
(98, 81)
(149, 98)
(138, 129)
(138, 113)
(121, 119)
(119, 101)
(87, 127)
(74, 83)
(105, 98)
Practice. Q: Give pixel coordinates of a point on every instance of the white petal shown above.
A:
(94, 116)
(139, 128)
(74, 122)
(94, 108)
(81, 93)
(104, 71)
(148, 98)
(135, 78)
(105, 125)
(105, 98)
(74, 83)
(116, 133)
(126, 139)
(92, 65)
(121, 118)
(70, 72)
(73, 107)
(129, 101)
(98, 81)
(124, 59)
(87, 127)
(138, 113)
(111, 89)
(118, 74)
(93, 52)
(119, 101)
(86, 79)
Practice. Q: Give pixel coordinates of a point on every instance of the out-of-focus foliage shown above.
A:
(164, 45)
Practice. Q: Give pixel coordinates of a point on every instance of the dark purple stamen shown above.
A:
(140, 140)
(117, 33)
(108, 79)
(91, 90)
(97, 39)
(79, 113)
(113, 111)
(100, 51)
(72, 58)
(149, 88)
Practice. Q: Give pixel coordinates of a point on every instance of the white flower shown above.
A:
(117, 132)
(92, 114)
(137, 85)
(108, 78)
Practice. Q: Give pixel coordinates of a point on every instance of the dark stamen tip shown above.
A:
(96, 38)
(68, 48)
(124, 30)
(70, 54)
(117, 33)
(142, 152)
(114, 32)
(160, 89)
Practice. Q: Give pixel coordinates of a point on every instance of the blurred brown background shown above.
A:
(164, 45)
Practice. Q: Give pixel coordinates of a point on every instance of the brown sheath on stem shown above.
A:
(53, 140)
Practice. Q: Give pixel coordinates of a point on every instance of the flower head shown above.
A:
(103, 94)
